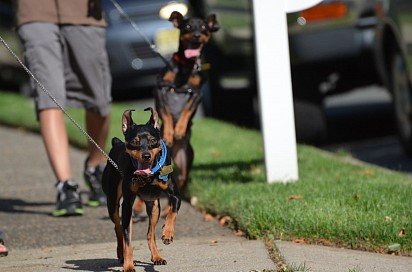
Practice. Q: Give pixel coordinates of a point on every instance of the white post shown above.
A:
(275, 87)
(275, 90)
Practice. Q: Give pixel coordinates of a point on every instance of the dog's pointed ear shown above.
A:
(176, 18)
(212, 23)
(154, 118)
(127, 120)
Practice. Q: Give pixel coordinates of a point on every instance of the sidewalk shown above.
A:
(331, 259)
(39, 242)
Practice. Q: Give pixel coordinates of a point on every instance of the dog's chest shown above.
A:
(149, 192)
(176, 102)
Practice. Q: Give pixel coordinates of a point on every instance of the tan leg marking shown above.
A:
(167, 128)
(153, 219)
(169, 76)
(169, 227)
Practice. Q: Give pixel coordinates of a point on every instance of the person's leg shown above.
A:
(43, 55)
(88, 82)
(43, 50)
(98, 129)
(53, 130)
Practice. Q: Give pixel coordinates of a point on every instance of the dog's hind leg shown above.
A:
(153, 211)
(112, 187)
(183, 155)
(117, 226)
(127, 227)
(115, 217)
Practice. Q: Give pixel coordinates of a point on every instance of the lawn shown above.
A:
(336, 201)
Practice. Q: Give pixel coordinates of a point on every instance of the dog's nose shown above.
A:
(146, 156)
(196, 35)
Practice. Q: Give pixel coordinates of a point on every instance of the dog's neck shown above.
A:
(186, 62)
(186, 58)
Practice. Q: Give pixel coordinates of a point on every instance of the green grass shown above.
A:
(335, 202)
(297, 268)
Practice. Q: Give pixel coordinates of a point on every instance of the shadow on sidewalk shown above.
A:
(104, 265)
(14, 205)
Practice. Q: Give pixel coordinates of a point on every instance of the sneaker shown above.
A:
(93, 178)
(68, 199)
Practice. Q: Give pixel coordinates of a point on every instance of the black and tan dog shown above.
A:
(144, 170)
(178, 94)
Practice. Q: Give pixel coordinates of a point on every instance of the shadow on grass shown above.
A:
(238, 171)
(14, 205)
(105, 264)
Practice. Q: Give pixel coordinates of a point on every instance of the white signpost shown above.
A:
(275, 87)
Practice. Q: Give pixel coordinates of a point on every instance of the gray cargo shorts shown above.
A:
(72, 64)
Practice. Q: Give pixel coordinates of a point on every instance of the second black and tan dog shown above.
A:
(144, 170)
(178, 93)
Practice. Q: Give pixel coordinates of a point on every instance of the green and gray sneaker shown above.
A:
(68, 199)
(93, 179)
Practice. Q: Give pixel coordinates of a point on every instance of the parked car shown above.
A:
(335, 47)
(11, 74)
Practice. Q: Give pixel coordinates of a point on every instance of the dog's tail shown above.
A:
(116, 142)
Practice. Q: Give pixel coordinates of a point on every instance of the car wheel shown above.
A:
(401, 96)
(310, 122)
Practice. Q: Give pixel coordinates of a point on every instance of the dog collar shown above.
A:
(160, 164)
(188, 62)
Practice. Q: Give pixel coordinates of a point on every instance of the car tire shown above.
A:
(402, 101)
(310, 122)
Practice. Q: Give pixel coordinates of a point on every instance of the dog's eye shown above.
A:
(188, 27)
(203, 27)
(134, 142)
(153, 142)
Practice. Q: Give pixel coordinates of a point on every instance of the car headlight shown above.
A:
(166, 10)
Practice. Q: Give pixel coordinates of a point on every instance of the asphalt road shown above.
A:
(361, 124)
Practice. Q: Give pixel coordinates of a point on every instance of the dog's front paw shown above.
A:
(169, 77)
(180, 131)
(167, 240)
(167, 235)
(129, 269)
(159, 261)
(168, 136)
